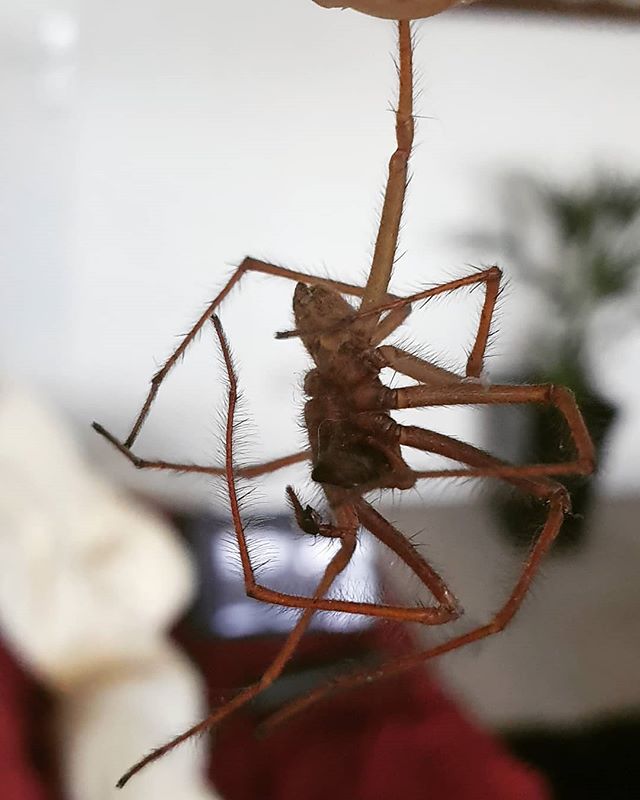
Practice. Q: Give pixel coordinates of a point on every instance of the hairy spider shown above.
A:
(355, 444)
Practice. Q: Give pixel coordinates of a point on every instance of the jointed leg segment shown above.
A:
(337, 564)
(400, 307)
(491, 280)
(387, 239)
(559, 504)
(348, 519)
(248, 265)
(471, 394)
(447, 608)
(252, 471)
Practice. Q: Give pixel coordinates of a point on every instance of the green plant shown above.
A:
(578, 250)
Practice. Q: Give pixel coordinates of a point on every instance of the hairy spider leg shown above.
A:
(425, 615)
(489, 277)
(337, 564)
(345, 530)
(483, 464)
(252, 471)
(559, 504)
(447, 608)
(387, 239)
(376, 289)
(473, 394)
(248, 265)
(527, 478)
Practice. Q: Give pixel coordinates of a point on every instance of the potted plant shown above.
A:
(578, 249)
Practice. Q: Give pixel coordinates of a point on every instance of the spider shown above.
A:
(355, 444)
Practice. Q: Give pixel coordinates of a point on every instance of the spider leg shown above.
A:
(252, 471)
(474, 394)
(489, 277)
(389, 324)
(248, 265)
(271, 674)
(559, 504)
(387, 239)
(481, 464)
(346, 531)
(559, 397)
(447, 608)
(414, 367)
(443, 612)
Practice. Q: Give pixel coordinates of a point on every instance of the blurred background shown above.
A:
(147, 147)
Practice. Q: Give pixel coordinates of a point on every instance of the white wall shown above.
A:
(172, 138)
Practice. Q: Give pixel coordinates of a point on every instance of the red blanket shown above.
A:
(396, 739)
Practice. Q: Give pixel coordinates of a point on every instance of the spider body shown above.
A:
(355, 446)
(350, 449)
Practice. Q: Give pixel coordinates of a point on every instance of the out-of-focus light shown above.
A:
(58, 31)
(293, 563)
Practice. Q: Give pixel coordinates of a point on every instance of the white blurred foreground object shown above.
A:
(90, 583)
(396, 9)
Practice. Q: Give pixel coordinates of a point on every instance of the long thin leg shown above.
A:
(309, 521)
(489, 277)
(387, 239)
(548, 394)
(248, 265)
(389, 536)
(388, 324)
(474, 394)
(340, 560)
(427, 616)
(252, 471)
(422, 370)
(273, 672)
(559, 504)
(414, 367)
(481, 464)
(435, 615)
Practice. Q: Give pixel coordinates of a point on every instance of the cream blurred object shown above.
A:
(89, 585)
(396, 9)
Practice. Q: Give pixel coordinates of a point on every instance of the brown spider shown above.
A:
(355, 445)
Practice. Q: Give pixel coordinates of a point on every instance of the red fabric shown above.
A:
(23, 773)
(395, 739)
